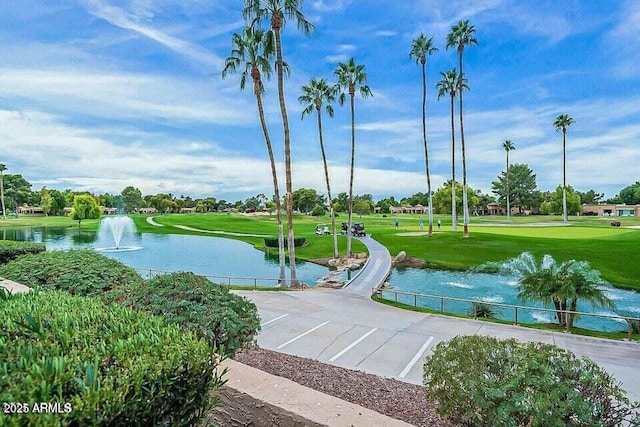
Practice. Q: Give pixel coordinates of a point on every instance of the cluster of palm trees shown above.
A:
(452, 83)
(251, 55)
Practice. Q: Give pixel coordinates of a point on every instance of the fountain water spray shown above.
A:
(115, 227)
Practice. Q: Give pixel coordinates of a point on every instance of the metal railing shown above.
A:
(252, 282)
(516, 308)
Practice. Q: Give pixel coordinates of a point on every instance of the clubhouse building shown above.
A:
(611, 210)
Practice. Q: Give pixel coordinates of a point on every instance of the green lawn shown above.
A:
(609, 249)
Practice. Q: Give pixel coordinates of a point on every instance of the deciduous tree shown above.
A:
(85, 206)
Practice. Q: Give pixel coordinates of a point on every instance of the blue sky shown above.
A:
(100, 94)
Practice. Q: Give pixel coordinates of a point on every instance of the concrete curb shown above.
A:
(14, 287)
(308, 404)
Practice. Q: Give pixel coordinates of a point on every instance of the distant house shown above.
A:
(187, 210)
(30, 210)
(108, 211)
(611, 210)
(146, 210)
(408, 209)
(494, 208)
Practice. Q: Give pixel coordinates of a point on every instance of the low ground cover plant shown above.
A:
(10, 250)
(227, 321)
(98, 364)
(483, 381)
(77, 271)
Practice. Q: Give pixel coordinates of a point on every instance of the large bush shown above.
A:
(481, 381)
(227, 321)
(104, 365)
(10, 250)
(79, 272)
(272, 242)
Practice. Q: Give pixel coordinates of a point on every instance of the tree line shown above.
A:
(522, 190)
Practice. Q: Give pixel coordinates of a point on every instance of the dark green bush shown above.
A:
(272, 242)
(227, 321)
(481, 381)
(104, 365)
(11, 250)
(79, 272)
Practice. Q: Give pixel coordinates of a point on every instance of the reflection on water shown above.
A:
(491, 288)
(211, 256)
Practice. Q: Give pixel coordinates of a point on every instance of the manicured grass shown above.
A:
(43, 221)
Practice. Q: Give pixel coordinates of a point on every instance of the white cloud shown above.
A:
(623, 41)
(330, 5)
(130, 20)
(124, 95)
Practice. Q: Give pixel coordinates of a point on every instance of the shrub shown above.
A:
(483, 310)
(482, 381)
(227, 321)
(319, 210)
(272, 242)
(11, 250)
(79, 272)
(104, 365)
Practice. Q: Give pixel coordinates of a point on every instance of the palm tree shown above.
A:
(562, 122)
(584, 284)
(278, 11)
(550, 282)
(252, 50)
(3, 168)
(420, 49)
(508, 146)
(315, 95)
(351, 77)
(461, 35)
(450, 85)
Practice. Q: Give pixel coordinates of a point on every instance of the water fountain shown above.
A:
(115, 228)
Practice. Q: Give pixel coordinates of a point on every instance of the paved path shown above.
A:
(346, 328)
(374, 273)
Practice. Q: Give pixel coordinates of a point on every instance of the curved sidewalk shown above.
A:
(375, 271)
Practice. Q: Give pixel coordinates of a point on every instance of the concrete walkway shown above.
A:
(375, 271)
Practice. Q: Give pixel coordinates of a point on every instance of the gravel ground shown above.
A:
(397, 399)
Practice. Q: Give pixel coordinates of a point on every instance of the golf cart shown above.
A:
(357, 229)
(322, 230)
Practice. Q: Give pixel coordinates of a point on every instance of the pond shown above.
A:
(493, 288)
(204, 255)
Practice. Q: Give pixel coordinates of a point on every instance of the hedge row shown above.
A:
(10, 250)
(98, 365)
(77, 271)
(272, 242)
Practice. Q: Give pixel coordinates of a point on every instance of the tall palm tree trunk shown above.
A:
(326, 177)
(508, 194)
(426, 147)
(4, 211)
(353, 157)
(276, 24)
(565, 218)
(465, 201)
(454, 219)
(282, 279)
